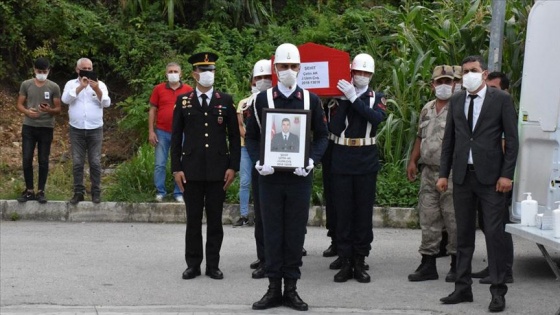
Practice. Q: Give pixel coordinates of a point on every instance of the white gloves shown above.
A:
(348, 89)
(264, 169)
(300, 171)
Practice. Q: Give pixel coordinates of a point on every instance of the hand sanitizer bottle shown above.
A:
(529, 209)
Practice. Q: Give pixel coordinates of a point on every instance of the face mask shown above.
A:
(457, 88)
(361, 81)
(287, 77)
(263, 84)
(206, 78)
(173, 77)
(254, 89)
(41, 76)
(472, 81)
(443, 91)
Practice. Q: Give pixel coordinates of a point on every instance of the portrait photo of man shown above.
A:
(285, 141)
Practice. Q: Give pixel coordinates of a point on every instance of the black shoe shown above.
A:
(77, 198)
(214, 273)
(255, 264)
(26, 195)
(336, 264)
(41, 197)
(426, 271)
(481, 274)
(497, 304)
(241, 222)
(272, 297)
(291, 298)
(191, 272)
(303, 252)
(486, 280)
(360, 273)
(330, 252)
(96, 198)
(258, 273)
(346, 272)
(457, 297)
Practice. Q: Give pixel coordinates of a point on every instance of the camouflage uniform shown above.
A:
(436, 208)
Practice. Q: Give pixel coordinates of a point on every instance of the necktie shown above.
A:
(285, 138)
(204, 102)
(470, 114)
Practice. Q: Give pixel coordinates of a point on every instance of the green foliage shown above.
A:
(132, 181)
(393, 188)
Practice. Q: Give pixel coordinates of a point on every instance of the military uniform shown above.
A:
(436, 208)
(205, 143)
(354, 168)
(285, 196)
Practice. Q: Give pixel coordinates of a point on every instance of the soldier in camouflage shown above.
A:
(436, 208)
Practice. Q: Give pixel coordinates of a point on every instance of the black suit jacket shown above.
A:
(497, 117)
(205, 143)
(278, 144)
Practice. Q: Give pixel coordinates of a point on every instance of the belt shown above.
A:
(352, 142)
(470, 167)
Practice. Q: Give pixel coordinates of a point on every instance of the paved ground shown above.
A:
(125, 268)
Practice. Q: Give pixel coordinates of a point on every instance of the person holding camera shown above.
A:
(86, 97)
(39, 101)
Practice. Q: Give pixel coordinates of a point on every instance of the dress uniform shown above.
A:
(285, 195)
(354, 168)
(205, 154)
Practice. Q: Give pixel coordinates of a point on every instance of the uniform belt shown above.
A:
(352, 142)
(470, 167)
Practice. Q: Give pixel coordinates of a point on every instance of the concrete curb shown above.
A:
(164, 212)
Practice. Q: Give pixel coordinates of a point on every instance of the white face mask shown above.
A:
(41, 76)
(457, 88)
(361, 81)
(173, 77)
(263, 85)
(287, 77)
(254, 89)
(444, 91)
(206, 78)
(472, 81)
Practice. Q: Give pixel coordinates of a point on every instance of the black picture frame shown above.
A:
(280, 153)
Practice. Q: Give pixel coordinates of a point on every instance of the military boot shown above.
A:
(452, 274)
(426, 271)
(291, 298)
(273, 296)
(346, 271)
(360, 273)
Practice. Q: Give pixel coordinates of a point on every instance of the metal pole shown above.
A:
(496, 35)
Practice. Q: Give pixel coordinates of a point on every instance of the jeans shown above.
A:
(160, 171)
(244, 182)
(86, 141)
(42, 138)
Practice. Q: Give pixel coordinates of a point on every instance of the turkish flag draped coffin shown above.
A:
(321, 69)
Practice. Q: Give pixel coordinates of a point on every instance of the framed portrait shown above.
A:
(284, 144)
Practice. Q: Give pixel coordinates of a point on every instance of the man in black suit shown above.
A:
(205, 154)
(472, 149)
(285, 141)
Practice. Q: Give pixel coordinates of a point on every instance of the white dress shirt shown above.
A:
(208, 93)
(85, 110)
(477, 107)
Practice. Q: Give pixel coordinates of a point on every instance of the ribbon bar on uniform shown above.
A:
(352, 142)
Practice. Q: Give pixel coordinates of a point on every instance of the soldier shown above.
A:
(354, 167)
(285, 195)
(457, 78)
(435, 207)
(204, 165)
(262, 80)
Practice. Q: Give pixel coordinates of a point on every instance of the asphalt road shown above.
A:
(125, 268)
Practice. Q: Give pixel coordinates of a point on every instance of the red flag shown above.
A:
(272, 130)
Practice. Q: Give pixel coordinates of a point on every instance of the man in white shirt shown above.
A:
(86, 97)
